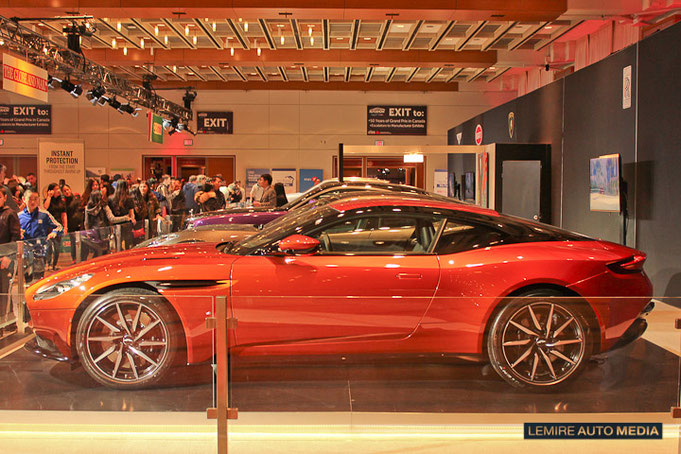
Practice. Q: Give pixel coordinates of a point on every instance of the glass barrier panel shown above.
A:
(307, 366)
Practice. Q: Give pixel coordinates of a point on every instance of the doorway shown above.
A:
(392, 169)
(523, 181)
(186, 166)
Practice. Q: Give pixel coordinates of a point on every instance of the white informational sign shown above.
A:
(61, 160)
(285, 176)
(626, 87)
(440, 182)
(24, 78)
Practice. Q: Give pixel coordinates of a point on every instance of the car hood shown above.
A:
(187, 262)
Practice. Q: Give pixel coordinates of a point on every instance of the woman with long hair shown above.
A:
(98, 215)
(54, 203)
(281, 194)
(75, 213)
(122, 204)
(153, 207)
(91, 185)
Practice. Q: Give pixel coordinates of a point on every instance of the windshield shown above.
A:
(288, 224)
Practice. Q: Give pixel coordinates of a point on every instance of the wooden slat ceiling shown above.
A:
(431, 45)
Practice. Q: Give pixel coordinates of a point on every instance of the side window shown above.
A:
(379, 234)
(459, 236)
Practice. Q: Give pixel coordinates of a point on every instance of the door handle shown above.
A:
(408, 276)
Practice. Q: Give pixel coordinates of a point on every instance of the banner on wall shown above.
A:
(252, 177)
(61, 160)
(25, 119)
(155, 128)
(397, 120)
(306, 176)
(24, 78)
(440, 182)
(285, 176)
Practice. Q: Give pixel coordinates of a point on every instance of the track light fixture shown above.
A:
(126, 108)
(73, 89)
(53, 82)
(94, 94)
(115, 104)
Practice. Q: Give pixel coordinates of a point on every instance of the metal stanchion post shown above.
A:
(119, 238)
(21, 286)
(78, 245)
(146, 229)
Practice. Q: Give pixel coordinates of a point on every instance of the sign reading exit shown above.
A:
(214, 123)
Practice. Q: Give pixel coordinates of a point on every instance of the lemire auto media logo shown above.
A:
(593, 431)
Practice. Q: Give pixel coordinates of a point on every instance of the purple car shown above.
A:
(325, 189)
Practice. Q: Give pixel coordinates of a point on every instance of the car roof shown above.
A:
(352, 203)
(352, 181)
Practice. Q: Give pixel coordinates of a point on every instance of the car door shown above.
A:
(371, 280)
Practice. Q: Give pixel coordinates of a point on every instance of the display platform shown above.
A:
(639, 378)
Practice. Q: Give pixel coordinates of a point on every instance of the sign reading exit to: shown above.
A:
(214, 123)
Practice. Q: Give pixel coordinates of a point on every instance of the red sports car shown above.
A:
(398, 275)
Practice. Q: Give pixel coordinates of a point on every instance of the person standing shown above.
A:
(10, 233)
(56, 205)
(10, 202)
(234, 192)
(40, 226)
(121, 204)
(269, 197)
(281, 194)
(75, 217)
(256, 192)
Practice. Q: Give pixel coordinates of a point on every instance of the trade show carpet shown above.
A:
(639, 378)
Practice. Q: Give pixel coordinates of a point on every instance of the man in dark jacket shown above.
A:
(10, 197)
(10, 233)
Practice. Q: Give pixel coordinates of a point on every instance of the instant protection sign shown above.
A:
(397, 120)
(214, 123)
(25, 119)
(61, 160)
(24, 78)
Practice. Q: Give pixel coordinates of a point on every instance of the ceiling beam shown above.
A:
(297, 85)
(239, 73)
(476, 74)
(499, 72)
(147, 31)
(390, 75)
(266, 32)
(296, 34)
(556, 35)
(178, 33)
(529, 33)
(217, 73)
(174, 72)
(433, 74)
(412, 74)
(456, 72)
(412, 35)
(435, 42)
(521, 10)
(123, 33)
(472, 31)
(326, 34)
(326, 73)
(196, 73)
(355, 34)
(303, 71)
(498, 34)
(245, 44)
(282, 73)
(290, 57)
(348, 74)
(209, 33)
(383, 35)
(369, 73)
(261, 73)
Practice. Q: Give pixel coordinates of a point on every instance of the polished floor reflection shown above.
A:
(639, 378)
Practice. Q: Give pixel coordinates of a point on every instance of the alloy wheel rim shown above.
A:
(127, 341)
(543, 343)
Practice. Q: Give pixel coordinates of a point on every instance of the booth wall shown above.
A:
(286, 129)
(581, 116)
(658, 199)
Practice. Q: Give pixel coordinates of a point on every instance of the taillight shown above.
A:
(633, 264)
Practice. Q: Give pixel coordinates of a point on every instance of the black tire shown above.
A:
(540, 340)
(133, 356)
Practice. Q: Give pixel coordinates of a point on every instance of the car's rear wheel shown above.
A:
(539, 341)
(128, 338)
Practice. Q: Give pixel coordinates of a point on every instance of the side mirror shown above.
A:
(298, 244)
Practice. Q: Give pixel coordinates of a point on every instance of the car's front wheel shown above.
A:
(128, 338)
(539, 341)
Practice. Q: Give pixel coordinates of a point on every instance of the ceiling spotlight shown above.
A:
(136, 112)
(195, 40)
(53, 82)
(309, 31)
(72, 89)
(126, 108)
(113, 43)
(186, 30)
(259, 51)
(246, 26)
(94, 94)
(102, 100)
(282, 40)
(142, 43)
(114, 103)
(156, 30)
(165, 39)
(125, 50)
(215, 26)
(2, 42)
(118, 26)
(231, 51)
(311, 40)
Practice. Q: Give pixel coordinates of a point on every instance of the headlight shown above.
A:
(50, 291)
